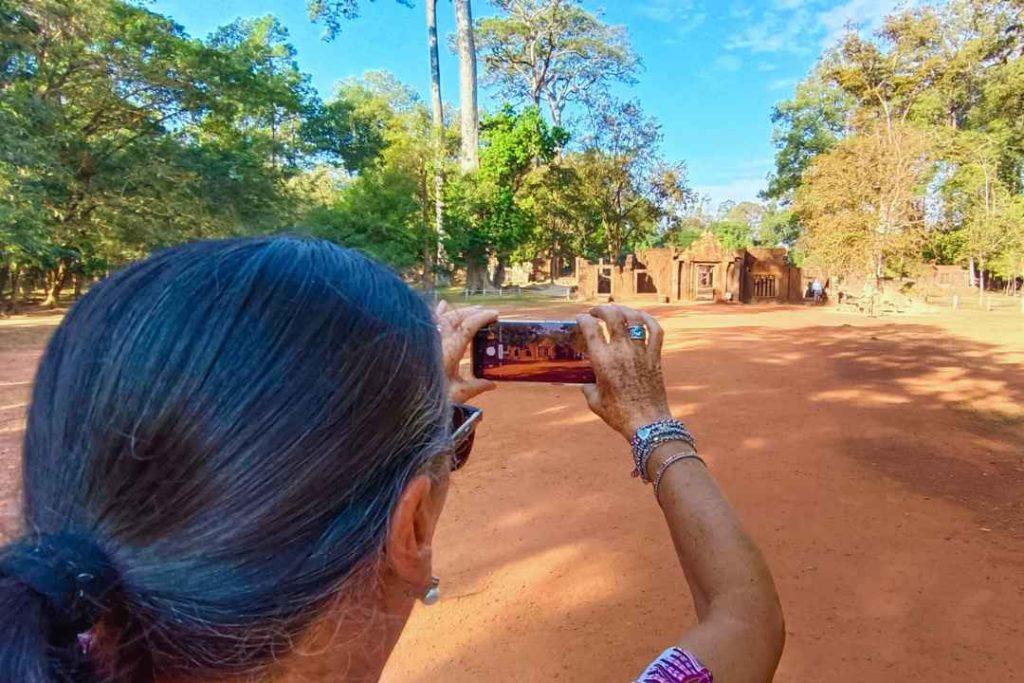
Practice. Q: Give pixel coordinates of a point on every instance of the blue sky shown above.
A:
(712, 68)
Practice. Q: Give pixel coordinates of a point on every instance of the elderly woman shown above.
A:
(237, 454)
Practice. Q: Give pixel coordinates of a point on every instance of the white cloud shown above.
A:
(782, 84)
(767, 66)
(728, 63)
(862, 15)
(683, 14)
(740, 11)
(738, 190)
(804, 26)
(774, 32)
(789, 4)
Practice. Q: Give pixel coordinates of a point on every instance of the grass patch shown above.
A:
(457, 296)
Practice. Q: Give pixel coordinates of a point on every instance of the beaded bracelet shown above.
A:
(643, 450)
(655, 429)
(649, 437)
(669, 461)
(640, 463)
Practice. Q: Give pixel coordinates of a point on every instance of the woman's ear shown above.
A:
(408, 545)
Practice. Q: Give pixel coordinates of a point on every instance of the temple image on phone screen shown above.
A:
(535, 352)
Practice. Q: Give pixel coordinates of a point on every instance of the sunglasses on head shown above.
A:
(464, 421)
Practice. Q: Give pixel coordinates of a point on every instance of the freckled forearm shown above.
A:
(732, 586)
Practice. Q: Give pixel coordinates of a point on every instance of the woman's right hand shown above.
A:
(630, 389)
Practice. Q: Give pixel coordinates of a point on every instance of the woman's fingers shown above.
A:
(634, 319)
(614, 318)
(441, 309)
(655, 335)
(455, 317)
(471, 323)
(465, 389)
(591, 330)
(458, 325)
(630, 391)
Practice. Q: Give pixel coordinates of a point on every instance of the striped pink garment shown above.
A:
(676, 666)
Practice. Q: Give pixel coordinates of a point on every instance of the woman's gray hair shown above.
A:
(232, 423)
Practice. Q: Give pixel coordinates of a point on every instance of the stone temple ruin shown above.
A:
(705, 271)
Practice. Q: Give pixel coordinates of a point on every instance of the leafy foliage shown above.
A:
(487, 211)
(860, 202)
(946, 73)
(334, 13)
(553, 52)
(121, 134)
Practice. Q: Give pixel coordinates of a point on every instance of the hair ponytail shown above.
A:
(24, 648)
(52, 589)
(233, 422)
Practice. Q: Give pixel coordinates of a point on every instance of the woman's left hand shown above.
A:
(457, 327)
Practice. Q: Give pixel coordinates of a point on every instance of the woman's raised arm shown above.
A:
(740, 632)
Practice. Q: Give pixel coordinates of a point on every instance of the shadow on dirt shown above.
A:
(866, 460)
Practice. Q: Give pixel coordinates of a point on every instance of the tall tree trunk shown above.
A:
(15, 282)
(970, 266)
(437, 108)
(981, 280)
(6, 273)
(476, 272)
(55, 283)
(470, 150)
(499, 271)
(427, 278)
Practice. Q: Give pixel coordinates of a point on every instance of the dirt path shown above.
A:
(881, 469)
(880, 464)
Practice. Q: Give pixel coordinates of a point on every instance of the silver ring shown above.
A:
(637, 332)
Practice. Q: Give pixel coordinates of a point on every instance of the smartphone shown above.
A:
(532, 351)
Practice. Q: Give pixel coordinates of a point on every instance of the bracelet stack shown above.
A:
(649, 437)
(669, 461)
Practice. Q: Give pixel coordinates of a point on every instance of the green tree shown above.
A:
(1009, 263)
(805, 126)
(353, 128)
(386, 209)
(626, 185)
(861, 204)
(554, 53)
(733, 234)
(334, 13)
(779, 227)
(486, 213)
(130, 135)
(563, 228)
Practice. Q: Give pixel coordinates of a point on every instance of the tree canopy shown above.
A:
(553, 53)
(907, 144)
(121, 134)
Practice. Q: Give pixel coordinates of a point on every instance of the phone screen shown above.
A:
(532, 351)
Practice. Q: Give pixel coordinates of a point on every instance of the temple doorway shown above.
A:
(704, 274)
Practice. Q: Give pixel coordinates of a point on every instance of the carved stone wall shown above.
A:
(706, 270)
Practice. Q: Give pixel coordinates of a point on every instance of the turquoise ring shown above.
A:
(637, 332)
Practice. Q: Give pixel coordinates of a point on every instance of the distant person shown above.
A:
(818, 290)
(238, 451)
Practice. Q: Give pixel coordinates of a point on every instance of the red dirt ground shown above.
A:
(879, 463)
(541, 371)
